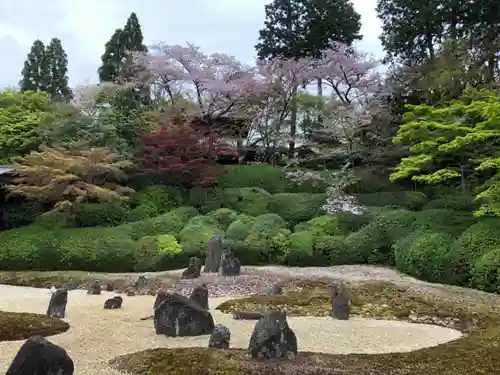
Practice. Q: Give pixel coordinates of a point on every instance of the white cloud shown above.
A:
(84, 26)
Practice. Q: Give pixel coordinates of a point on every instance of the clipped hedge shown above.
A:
(411, 200)
(247, 200)
(296, 206)
(485, 272)
(268, 177)
(333, 250)
(338, 224)
(240, 228)
(223, 216)
(100, 214)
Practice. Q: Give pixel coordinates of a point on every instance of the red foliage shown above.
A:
(178, 154)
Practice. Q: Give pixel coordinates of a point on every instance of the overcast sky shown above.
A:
(84, 26)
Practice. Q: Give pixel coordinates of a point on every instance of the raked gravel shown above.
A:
(97, 335)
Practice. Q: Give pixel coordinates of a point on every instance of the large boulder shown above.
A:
(220, 337)
(229, 264)
(38, 356)
(272, 337)
(177, 315)
(57, 303)
(214, 252)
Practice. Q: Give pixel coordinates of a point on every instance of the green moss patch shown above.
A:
(80, 280)
(478, 317)
(20, 326)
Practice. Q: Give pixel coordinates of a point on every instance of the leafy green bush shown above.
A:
(333, 225)
(201, 220)
(247, 200)
(100, 214)
(19, 213)
(223, 216)
(206, 199)
(185, 213)
(472, 244)
(411, 200)
(161, 198)
(301, 250)
(268, 246)
(396, 223)
(450, 198)
(240, 250)
(240, 228)
(424, 254)
(54, 220)
(369, 245)
(296, 207)
(333, 250)
(168, 223)
(168, 245)
(443, 220)
(268, 177)
(485, 273)
(268, 223)
(195, 235)
(141, 212)
(369, 182)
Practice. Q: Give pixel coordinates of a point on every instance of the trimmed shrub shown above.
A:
(201, 220)
(247, 200)
(333, 225)
(268, 223)
(168, 223)
(296, 207)
(19, 213)
(424, 254)
(195, 235)
(160, 197)
(100, 214)
(239, 229)
(369, 182)
(268, 177)
(443, 220)
(333, 250)
(206, 199)
(223, 216)
(240, 250)
(472, 244)
(301, 250)
(185, 213)
(396, 223)
(369, 245)
(142, 212)
(54, 220)
(268, 247)
(485, 272)
(155, 253)
(411, 200)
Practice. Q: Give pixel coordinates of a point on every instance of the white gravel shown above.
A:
(97, 335)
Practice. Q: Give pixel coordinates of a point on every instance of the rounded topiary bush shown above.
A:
(268, 223)
(301, 250)
(396, 223)
(247, 200)
(185, 213)
(223, 216)
(141, 212)
(159, 197)
(443, 220)
(195, 235)
(201, 220)
(333, 225)
(333, 250)
(168, 223)
(472, 244)
(296, 207)
(370, 244)
(411, 200)
(268, 247)
(485, 272)
(424, 254)
(240, 228)
(100, 214)
(55, 220)
(268, 177)
(205, 199)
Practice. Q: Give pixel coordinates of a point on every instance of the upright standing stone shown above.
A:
(180, 316)
(57, 303)
(141, 284)
(94, 288)
(214, 252)
(37, 356)
(193, 269)
(200, 296)
(220, 337)
(340, 301)
(229, 264)
(272, 337)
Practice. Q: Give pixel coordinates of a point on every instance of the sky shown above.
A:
(84, 26)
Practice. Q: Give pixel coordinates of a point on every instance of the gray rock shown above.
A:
(110, 287)
(57, 303)
(274, 290)
(214, 252)
(160, 297)
(200, 296)
(229, 264)
(272, 337)
(220, 337)
(94, 288)
(193, 270)
(177, 316)
(113, 303)
(37, 356)
(340, 301)
(141, 283)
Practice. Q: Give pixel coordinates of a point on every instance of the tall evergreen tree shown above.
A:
(122, 42)
(57, 61)
(35, 70)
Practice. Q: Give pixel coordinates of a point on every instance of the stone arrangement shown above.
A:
(41, 357)
(57, 303)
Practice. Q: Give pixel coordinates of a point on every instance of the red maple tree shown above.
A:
(179, 155)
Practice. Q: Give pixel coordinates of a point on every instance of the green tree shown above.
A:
(458, 141)
(35, 72)
(22, 114)
(57, 61)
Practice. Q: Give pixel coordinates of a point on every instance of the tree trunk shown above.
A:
(320, 95)
(293, 125)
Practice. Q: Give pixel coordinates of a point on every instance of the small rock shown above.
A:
(141, 283)
(94, 288)
(57, 303)
(220, 337)
(130, 293)
(110, 287)
(113, 303)
(274, 290)
(229, 264)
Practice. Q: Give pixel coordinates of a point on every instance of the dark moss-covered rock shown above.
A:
(20, 326)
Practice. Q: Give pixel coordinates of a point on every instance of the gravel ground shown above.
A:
(98, 335)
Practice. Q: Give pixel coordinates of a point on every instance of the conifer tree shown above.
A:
(57, 62)
(35, 70)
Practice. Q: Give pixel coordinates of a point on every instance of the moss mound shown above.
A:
(472, 355)
(20, 326)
